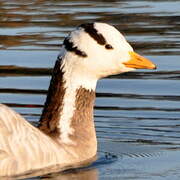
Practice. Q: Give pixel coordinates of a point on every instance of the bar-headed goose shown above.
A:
(66, 135)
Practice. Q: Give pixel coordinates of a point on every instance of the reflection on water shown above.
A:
(137, 114)
(80, 175)
(87, 174)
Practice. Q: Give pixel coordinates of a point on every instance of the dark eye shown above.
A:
(108, 46)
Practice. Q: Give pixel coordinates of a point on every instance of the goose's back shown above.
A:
(24, 147)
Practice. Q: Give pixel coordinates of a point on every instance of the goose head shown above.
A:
(89, 53)
(97, 50)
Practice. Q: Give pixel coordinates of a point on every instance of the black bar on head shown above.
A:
(70, 47)
(98, 37)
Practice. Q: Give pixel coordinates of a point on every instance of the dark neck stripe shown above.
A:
(70, 47)
(53, 105)
(98, 37)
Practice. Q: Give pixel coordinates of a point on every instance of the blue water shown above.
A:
(137, 114)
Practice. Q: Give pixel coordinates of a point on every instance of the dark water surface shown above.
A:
(137, 114)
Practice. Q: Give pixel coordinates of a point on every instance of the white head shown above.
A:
(98, 50)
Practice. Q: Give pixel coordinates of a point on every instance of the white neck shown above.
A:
(74, 79)
(75, 74)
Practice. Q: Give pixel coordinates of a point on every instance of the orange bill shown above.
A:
(138, 62)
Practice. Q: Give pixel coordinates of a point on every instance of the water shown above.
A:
(137, 114)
